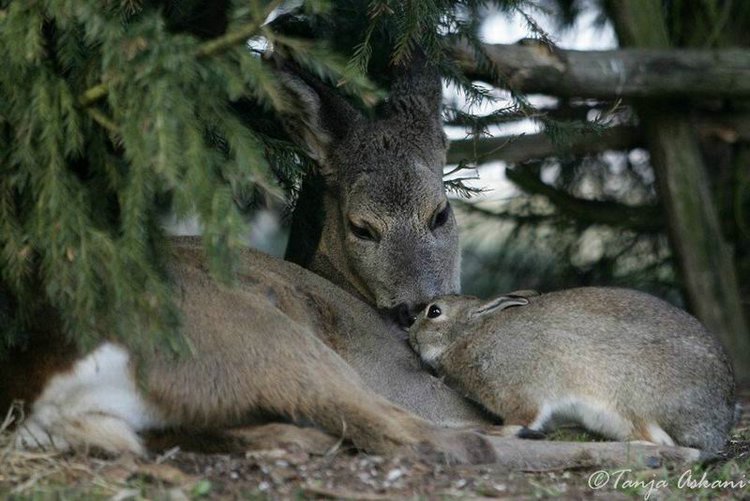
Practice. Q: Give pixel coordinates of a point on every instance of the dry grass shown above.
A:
(25, 473)
(340, 474)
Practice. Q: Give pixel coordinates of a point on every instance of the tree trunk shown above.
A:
(537, 68)
(706, 261)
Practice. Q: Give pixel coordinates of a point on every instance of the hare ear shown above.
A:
(497, 304)
(322, 117)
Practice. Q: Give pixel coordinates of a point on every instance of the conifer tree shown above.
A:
(115, 112)
(111, 113)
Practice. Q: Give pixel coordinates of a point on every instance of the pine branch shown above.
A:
(645, 219)
(102, 119)
(206, 49)
(94, 94)
(530, 219)
(231, 39)
(727, 127)
(518, 149)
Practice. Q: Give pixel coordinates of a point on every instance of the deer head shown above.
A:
(387, 231)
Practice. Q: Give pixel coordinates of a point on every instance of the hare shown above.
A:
(622, 363)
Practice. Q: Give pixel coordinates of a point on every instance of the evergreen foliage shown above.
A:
(114, 113)
(533, 241)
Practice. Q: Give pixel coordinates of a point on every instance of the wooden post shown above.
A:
(705, 259)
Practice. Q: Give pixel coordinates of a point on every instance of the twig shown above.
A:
(100, 90)
(102, 119)
(337, 446)
(94, 94)
(33, 480)
(167, 455)
(343, 494)
(10, 417)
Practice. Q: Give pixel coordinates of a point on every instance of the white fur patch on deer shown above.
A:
(94, 405)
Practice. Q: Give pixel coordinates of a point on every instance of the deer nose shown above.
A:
(406, 316)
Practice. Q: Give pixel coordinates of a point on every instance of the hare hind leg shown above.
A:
(525, 420)
(598, 417)
(650, 433)
(594, 415)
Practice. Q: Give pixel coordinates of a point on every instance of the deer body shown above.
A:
(285, 343)
(263, 350)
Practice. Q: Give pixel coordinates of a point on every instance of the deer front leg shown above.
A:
(95, 403)
(256, 364)
(376, 425)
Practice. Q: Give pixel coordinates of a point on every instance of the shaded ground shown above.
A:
(285, 474)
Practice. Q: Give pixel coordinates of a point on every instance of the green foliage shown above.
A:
(115, 113)
(378, 34)
(537, 240)
(111, 114)
(710, 23)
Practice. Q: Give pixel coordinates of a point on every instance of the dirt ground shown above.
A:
(346, 474)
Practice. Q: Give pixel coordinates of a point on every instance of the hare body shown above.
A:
(619, 362)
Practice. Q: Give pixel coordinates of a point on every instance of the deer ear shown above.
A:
(417, 89)
(497, 304)
(415, 104)
(321, 117)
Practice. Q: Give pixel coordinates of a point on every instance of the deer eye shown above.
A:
(441, 217)
(434, 311)
(362, 232)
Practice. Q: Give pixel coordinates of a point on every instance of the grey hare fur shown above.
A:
(620, 362)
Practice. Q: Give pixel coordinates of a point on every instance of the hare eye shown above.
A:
(434, 311)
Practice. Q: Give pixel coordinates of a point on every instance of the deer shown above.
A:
(320, 340)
